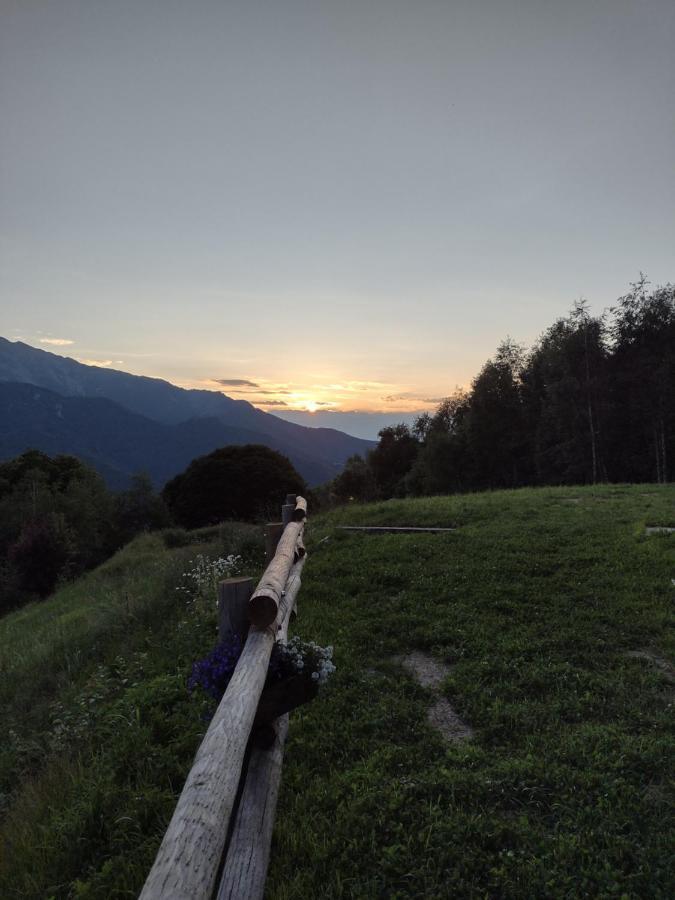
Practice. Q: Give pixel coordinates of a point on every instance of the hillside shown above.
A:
(210, 417)
(550, 609)
(119, 443)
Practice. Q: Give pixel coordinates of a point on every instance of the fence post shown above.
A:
(273, 532)
(288, 509)
(233, 597)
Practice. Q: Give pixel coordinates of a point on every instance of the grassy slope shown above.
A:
(99, 728)
(533, 602)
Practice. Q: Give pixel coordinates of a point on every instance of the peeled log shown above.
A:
(300, 549)
(300, 511)
(187, 863)
(248, 853)
(264, 604)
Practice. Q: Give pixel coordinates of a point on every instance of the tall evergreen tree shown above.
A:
(643, 370)
(565, 387)
(497, 452)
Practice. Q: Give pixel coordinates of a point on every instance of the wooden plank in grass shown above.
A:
(393, 529)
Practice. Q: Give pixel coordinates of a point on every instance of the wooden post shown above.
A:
(273, 531)
(264, 603)
(288, 509)
(233, 597)
(186, 865)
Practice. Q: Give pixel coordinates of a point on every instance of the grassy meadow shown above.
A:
(552, 610)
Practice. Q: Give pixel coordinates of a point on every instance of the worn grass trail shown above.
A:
(535, 603)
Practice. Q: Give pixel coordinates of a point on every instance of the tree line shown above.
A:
(58, 518)
(592, 401)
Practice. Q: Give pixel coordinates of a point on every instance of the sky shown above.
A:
(336, 209)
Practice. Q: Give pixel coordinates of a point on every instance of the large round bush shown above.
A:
(246, 483)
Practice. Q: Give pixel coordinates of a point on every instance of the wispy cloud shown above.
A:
(397, 398)
(236, 382)
(101, 363)
(271, 403)
(262, 393)
(56, 342)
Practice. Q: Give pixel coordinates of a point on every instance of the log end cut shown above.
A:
(262, 610)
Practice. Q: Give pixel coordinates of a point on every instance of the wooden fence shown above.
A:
(218, 841)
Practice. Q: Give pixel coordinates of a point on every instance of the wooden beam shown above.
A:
(299, 549)
(264, 604)
(300, 511)
(187, 863)
(393, 529)
(248, 852)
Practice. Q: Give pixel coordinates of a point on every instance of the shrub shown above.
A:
(42, 554)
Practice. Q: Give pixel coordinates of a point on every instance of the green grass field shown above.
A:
(535, 603)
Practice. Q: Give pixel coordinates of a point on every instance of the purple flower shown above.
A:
(213, 673)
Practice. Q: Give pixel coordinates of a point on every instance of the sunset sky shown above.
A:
(334, 207)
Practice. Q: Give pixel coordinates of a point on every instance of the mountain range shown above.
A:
(122, 424)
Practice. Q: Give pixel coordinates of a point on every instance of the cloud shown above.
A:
(261, 392)
(235, 382)
(56, 342)
(101, 363)
(271, 403)
(397, 398)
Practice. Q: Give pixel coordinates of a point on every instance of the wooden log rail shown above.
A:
(229, 766)
(264, 604)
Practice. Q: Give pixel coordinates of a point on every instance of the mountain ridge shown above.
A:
(213, 417)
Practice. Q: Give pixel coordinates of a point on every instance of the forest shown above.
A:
(592, 401)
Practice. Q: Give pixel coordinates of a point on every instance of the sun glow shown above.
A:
(311, 406)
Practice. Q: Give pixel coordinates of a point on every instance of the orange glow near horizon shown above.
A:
(344, 396)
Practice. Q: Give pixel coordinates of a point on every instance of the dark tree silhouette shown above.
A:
(246, 482)
(594, 400)
(643, 374)
(392, 459)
